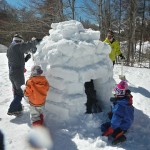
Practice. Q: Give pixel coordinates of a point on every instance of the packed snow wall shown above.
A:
(70, 56)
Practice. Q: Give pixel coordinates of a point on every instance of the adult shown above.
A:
(16, 64)
(115, 47)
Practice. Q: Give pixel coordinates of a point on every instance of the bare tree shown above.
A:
(131, 35)
(142, 29)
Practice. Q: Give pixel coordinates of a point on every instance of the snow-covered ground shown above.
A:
(83, 135)
(71, 56)
(3, 48)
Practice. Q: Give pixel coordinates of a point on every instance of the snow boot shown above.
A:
(120, 139)
(15, 106)
(37, 123)
(17, 113)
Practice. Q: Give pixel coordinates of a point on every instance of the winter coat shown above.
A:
(36, 90)
(123, 114)
(16, 61)
(115, 49)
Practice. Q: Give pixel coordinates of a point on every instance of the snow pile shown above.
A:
(3, 48)
(71, 56)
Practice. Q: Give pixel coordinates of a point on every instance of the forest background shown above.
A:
(129, 19)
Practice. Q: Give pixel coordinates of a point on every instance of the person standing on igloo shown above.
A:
(115, 47)
(36, 90)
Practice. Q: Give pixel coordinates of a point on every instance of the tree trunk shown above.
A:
(142, 30)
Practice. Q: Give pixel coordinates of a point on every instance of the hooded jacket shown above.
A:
(36, 90)
(115, 49)
(123, 113)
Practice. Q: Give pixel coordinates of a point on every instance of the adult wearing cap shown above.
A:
(16, 63)
(115, 47)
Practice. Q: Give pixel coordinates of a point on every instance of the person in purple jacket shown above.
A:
(122, 114)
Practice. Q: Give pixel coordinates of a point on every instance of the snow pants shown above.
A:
(16, 76)
(35, 113)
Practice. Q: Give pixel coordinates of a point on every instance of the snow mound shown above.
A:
(71, 56)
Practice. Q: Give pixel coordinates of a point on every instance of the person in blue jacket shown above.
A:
(122, 114)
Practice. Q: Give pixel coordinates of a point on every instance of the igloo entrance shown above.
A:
(92, 104)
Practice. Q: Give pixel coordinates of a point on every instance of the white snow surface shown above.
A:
(3, 48)
(69, 127)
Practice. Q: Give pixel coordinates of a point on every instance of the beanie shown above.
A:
(18, 37)
(36, 70)
(121, 88)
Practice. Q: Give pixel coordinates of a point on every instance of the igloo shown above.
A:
(70, 56)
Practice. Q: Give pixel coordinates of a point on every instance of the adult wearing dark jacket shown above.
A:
(16, 63)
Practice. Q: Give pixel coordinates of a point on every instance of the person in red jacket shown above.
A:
(36, 90)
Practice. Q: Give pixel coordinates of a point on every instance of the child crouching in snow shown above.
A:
(36, 90)
(122, 114)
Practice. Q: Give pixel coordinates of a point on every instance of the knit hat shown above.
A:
(18, 37)
(121, 88)
(36, 70)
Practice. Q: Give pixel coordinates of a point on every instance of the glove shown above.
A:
(121, 56)
(23, 87)
(38, 40)
(108, 131)
(33, 50)
(27, 57)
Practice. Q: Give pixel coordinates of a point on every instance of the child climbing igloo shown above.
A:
(71, 56)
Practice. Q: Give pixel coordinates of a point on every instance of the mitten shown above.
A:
(27, 57)
(33, 50)
(23, 87)
(108, 132)
(38, 40)
(121, 56)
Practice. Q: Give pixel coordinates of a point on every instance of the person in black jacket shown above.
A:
(16, 64)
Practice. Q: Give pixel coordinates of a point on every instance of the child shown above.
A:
(36, 90)
(122, 114)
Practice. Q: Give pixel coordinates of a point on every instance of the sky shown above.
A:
(18, 3)
(64, 56)
(15, 3)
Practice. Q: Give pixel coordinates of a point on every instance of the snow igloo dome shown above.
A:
(70, 56)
